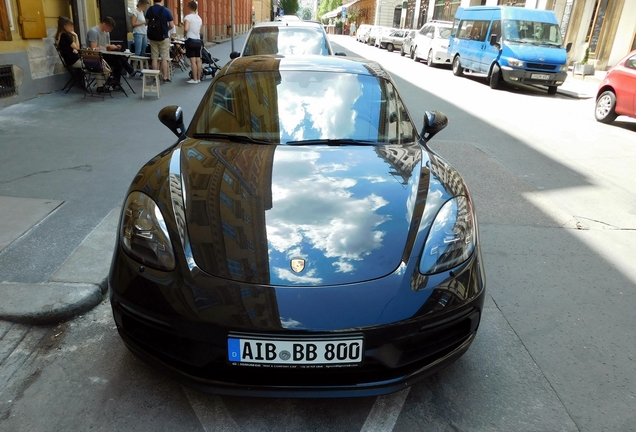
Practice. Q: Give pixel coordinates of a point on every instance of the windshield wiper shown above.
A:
(232, 137)
(333, 142)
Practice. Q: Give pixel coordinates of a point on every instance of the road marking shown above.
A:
(211, 412)
(385, 412)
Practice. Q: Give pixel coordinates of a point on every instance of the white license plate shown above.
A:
(295, 352)
(540, 76)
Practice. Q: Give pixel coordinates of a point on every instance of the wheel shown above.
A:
(429, 59)
(552, 90)
(411, 54)
(390, 47)
(605, 110)
(402, 51)
(458, 70)
(495, 77)
(415, 57)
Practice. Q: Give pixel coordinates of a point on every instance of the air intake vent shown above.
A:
(7, 81)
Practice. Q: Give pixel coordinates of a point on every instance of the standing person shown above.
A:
(160, 21)
(192, 29)
(138, 19)
(68, 43)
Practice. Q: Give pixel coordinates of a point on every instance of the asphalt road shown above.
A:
(554, 192)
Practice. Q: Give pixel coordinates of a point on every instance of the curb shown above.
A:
(54, 302)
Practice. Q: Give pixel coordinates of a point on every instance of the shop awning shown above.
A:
(337, 11)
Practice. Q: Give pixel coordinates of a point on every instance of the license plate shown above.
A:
(293, 353)
(540, 76)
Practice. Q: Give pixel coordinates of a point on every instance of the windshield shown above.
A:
(286, 41)
(277, 107)
(532, 32)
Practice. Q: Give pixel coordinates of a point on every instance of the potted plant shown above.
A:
(582, 68)
(338, 26)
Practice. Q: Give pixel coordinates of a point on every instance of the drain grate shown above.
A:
(7, 81)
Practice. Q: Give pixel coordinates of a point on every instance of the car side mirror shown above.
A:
(493, 39)
(234, 54)
(172, 117)
(340, 53)
(568, 47)
(434, 122)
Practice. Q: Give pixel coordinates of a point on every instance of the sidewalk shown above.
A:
(55, 254)
(581, 87)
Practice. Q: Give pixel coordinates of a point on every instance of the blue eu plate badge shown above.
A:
(234, 349)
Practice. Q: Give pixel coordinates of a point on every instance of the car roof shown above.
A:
(310, 63)
(288, 24)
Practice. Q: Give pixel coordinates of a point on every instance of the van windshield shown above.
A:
(532, 32)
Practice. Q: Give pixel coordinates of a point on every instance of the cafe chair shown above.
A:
(77, 75)
(95, 70)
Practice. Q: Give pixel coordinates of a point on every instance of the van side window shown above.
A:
(465, 29)
(480, 30)
(496, 29)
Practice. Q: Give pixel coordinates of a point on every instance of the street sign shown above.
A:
(344, 12)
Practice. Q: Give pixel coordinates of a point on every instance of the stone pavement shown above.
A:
(581, 87)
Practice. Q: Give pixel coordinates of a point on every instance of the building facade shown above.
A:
(29, 63)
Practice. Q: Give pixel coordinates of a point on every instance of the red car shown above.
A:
(617, 93)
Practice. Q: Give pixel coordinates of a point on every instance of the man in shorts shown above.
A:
(160, 48)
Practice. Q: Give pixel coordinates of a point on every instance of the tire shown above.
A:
(390, 47)
(495, 77)
(605, 109)
(458, 70)
(402, 51)
(411, 54)
(429, 59)
(552, 90)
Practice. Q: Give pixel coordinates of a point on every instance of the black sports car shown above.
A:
(300, 239)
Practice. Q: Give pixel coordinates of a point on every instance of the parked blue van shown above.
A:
(512, 44)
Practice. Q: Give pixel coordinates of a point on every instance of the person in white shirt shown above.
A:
(192, 30)
(138, 21)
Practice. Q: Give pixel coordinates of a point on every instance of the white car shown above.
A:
(431, 43)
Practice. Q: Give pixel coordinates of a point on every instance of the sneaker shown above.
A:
(192, 81)
(167, 80)
(137, 74)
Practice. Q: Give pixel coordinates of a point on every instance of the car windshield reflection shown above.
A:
(303, 106)
(286, 41)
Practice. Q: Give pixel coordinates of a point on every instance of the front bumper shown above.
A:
(514, 75)
(155, 323)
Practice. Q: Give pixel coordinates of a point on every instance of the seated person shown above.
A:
(68, 43)
(99, 38)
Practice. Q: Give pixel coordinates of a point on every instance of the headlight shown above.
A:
(143, 233)
(563, 68)
(451, 240)
(515, 63)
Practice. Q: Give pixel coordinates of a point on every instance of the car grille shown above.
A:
(386, 357)
(541, 66)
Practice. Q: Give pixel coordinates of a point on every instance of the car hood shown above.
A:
(343, 213)
(538, 54)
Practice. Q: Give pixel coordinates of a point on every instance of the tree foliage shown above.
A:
(305, 13)
(290, 7)
(328, 5)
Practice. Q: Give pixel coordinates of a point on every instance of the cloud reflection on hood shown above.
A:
(319, 211)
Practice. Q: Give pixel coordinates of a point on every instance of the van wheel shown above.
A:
(458, 70)
(605, 110)
(429, 59)
(552, 90)
(389, 47)
(495, 77)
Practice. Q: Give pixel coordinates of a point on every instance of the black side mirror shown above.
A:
(172, 117)
(493, 39)
(234, 54)
(434, 122)
(568, 47)
(340, 53)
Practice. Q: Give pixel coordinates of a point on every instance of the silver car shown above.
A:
(393, 40)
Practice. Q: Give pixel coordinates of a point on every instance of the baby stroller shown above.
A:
(209, 64)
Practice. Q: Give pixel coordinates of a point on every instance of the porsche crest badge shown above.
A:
(297, 265)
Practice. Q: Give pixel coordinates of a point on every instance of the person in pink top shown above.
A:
(192, 30)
